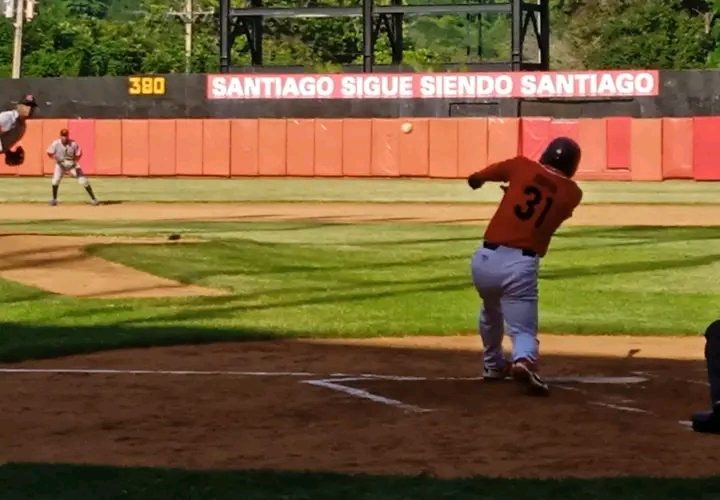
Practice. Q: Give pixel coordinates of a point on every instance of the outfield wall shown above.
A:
(680, 94)
(617, 148)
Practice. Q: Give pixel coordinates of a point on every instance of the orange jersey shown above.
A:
(537, 201)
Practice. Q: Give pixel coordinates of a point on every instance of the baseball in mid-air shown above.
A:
(406, 127)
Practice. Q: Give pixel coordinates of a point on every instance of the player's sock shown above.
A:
(90, 191)
(55, 192)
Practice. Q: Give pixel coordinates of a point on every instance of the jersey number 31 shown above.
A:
(535, 202)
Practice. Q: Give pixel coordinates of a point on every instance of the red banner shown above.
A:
(434, 85)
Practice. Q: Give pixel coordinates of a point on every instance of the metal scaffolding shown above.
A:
(248, 22)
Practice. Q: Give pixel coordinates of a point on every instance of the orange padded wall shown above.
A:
(565, 128)
(328, 147)
(414, 149)
(503, 138)
(244, 147)
(677, 148)
(592, 138)
(161, 147)
(646, 151)
(357, 147)
(188, 147)
(216, 148)
(706, 148)
(272, 146)
(135, 148)
(108, 147)
(385, 161)
(300, 147)
(443, 148)
(534, 136)
(616, 148)
(472, 145)
(619, 132)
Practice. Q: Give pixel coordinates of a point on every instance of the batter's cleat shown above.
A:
(95, 203)
(53, 203)
(496, 374)
(524, 372)
(707, 421)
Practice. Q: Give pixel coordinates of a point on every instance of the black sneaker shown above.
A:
(524, 372)
(707, 421)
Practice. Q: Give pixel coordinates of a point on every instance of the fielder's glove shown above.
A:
(474, 181)
(67, 163)
(15, 157)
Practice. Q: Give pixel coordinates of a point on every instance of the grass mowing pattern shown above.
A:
(335, 280)
(37, 190)
(65, 482)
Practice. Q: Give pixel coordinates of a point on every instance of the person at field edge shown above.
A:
(538, 197)
(67, 152)
(709, 421)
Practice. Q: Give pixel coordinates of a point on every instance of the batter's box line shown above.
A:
(336, 385)
(333, 384)
(605, 404)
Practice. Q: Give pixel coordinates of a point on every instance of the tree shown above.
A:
(635, 34)
(120, 37)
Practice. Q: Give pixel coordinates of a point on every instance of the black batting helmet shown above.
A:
(562, 154)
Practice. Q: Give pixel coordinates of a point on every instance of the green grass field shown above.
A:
(317, 279)
(73, 482)
(37, 190)
(298, 279)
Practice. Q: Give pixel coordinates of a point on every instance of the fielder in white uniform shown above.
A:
(66, 153)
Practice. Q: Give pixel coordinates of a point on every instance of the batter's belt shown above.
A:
(494, 246)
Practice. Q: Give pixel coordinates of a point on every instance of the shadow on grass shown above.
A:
(34, 481)
(20, 342)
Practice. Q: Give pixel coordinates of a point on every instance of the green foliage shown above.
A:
(99, 37)
(89, 8)
(636, 34)
(119, 37)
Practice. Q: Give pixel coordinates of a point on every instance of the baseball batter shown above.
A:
(12, 129)
(539, 197)
(67, 152)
